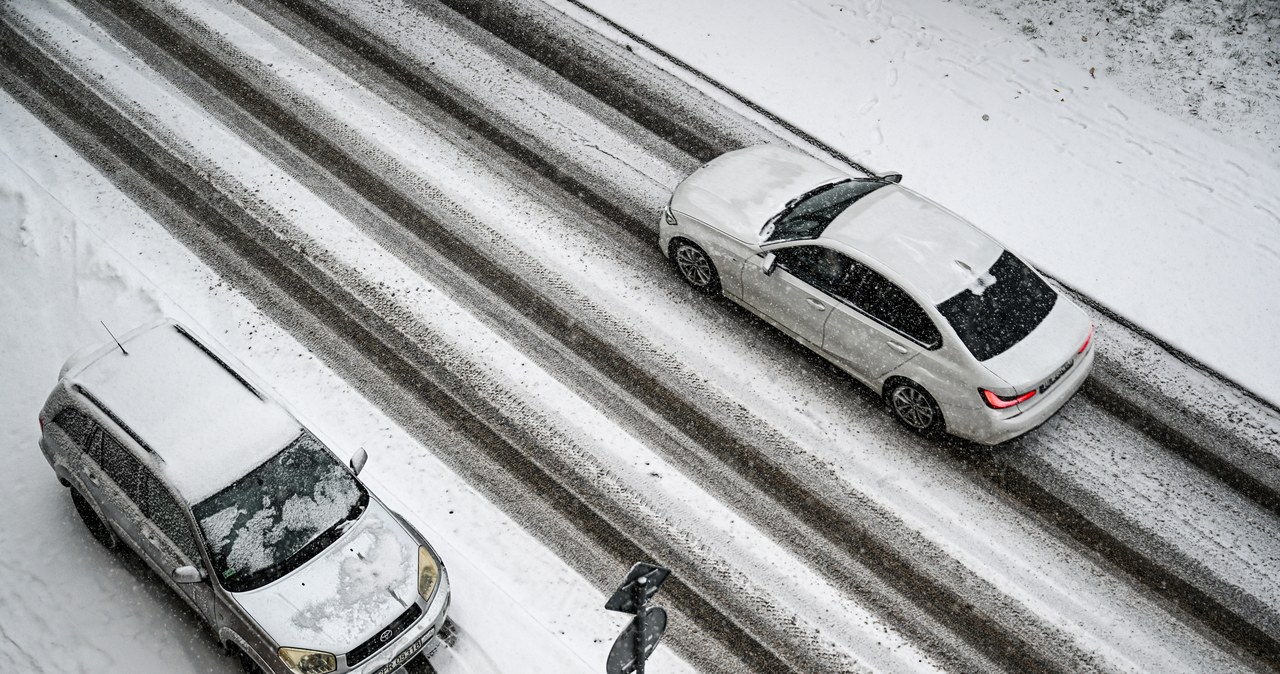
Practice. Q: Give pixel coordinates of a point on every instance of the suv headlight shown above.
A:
(303, 661)
(428, 573)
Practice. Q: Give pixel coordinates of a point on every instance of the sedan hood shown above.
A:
(739, 191)
(1058, 337)
(357, 586)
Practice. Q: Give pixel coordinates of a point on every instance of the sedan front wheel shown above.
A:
(695, 267)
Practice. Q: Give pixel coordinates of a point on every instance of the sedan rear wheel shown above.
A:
(914, 407)
(696, 267)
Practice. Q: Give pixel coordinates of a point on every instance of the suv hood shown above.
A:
(739, 191)
(1026, 364)
(344, 595)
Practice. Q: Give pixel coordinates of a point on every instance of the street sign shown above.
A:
(648, 576)
(622, 658)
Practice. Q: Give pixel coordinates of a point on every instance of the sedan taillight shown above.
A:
(998, 402)
(41, 419)
(1086, 340)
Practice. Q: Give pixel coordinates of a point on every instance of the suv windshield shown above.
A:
(806, 216)
(1004, 313)
(280, 515)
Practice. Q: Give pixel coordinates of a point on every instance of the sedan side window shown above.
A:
(122, 466)
(884, 301)
(822, 268)
(170, 517)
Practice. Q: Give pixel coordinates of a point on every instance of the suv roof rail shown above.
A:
(119, 422)
(183, 331)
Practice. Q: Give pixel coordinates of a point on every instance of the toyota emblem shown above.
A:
(386, 634)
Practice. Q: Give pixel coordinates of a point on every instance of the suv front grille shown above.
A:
(375, 643)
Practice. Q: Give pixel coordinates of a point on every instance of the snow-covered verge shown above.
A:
(1166, 223)
(1212, 63)
(79, 253)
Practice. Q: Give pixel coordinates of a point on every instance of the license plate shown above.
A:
(1053, 378)
(407, 654)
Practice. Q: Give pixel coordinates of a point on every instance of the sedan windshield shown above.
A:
(1003, 312)
(806, 216)
(280, 515)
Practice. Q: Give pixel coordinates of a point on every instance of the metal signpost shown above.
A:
(637, 641)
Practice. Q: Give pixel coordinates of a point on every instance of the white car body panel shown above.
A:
(718, 195)
(917, 240)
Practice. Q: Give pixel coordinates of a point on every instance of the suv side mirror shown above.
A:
(186, 575)
(358, 460)
(770, 263)
(891, 177)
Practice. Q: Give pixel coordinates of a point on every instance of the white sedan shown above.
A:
(957, 333)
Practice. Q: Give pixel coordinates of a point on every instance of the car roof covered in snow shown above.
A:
(205, 424)
(921, 243)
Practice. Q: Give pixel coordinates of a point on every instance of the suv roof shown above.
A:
(204, 421)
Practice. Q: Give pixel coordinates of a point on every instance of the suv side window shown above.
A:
(822, 268)
(77, 425)
(170, 517)
(122, 466)
(884, 301)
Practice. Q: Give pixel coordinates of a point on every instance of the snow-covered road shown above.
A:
(752, 547)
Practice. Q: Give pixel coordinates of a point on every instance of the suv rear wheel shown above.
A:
(93, 523)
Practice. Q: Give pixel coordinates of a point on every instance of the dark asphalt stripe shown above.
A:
(1158, 424)
(362, 330)
(1187, 597)
(527, 151)
(616, 84)
(616, 87)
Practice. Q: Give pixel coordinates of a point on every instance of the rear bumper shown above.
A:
(992, 427)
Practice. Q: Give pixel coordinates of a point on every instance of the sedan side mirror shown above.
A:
(770, 263)
(186, 575)
(358, 460)
(891, 177)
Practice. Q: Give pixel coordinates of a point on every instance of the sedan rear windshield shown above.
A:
(280, 515)
(1004, 312)
(808, 215)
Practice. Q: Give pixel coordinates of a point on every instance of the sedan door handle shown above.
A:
(898, 347)
(816, 304)
(93, 477)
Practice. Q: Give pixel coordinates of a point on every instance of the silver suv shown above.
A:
(297, 568)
